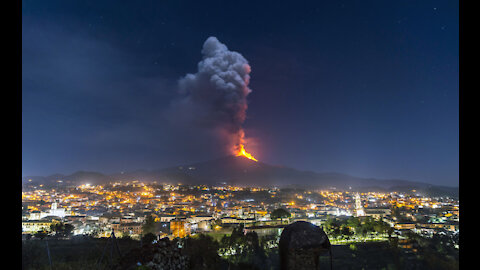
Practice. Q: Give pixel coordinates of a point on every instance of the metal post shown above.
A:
(104, 249)
(48, 253)
(116, 244)
(331, 262)
(111, 253)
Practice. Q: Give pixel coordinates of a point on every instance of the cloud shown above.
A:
(215, 97)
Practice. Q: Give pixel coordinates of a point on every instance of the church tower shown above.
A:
(358, 206)
(54, 205)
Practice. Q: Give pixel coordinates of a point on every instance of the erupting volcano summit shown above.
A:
(241, 152)
(215, 98)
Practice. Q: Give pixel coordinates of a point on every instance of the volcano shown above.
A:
(238, 170)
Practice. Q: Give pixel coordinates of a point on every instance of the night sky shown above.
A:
(366, 88)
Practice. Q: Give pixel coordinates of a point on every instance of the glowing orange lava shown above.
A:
(241, 152)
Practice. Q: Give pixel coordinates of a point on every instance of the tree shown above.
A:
(368, 225)
(390, 231)
(149, 238)
(393, 242)
(332, 226)
(215, 223)
(395, 212)
(280, 213)
(345, 231)
(203, 252)
(61, 229)
(255, 252)
(126, 236)
(354, 223)
(149, 225)
(382, 227)
(41, 234)
(268, 241)
(68, 230)
(243, 248)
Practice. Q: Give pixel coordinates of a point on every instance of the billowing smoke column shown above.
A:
(216, 96)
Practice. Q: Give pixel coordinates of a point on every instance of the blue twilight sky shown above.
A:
(367, 88)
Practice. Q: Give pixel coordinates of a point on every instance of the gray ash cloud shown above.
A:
(215, 97)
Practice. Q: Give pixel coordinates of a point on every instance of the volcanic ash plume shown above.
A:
(216, 96)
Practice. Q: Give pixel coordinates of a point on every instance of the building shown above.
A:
(199, 218)
(133, 229)
(33, 226)
(179, 228)
(408, 245)
(266, 230)
(377, 213)
(404, 226)
(53, 211)
(204, 225)
(35, 215)
(450, 226)
(236, 221)
(165, 218)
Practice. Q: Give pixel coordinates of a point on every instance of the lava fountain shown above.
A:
(241, 152)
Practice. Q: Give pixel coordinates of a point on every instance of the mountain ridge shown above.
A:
(240, 171)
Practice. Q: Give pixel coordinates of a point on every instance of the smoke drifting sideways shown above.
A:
(215, 97)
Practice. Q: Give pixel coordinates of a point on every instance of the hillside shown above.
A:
(245, 172)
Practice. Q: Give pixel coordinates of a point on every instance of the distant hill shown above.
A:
(246, 172)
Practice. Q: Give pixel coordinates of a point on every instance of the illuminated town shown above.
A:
(182, 210)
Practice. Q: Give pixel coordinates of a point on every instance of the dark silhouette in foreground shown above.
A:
(300, 246)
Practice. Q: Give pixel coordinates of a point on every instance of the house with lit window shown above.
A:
(33, 226)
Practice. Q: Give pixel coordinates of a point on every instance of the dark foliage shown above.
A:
(202, 252)
(279, 213)
(148, 238)
(61, 229)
